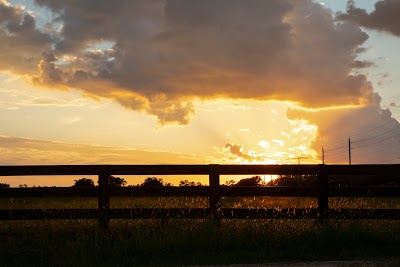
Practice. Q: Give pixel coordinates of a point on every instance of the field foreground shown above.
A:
(196, 242)
(355, 263)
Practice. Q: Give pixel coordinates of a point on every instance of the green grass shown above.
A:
(170, 242)
(198, 202)
(187, 242)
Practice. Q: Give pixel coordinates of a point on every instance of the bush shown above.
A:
(84, 182)
(153, 182)
(3, 185)
(253, 181)
(117, 182)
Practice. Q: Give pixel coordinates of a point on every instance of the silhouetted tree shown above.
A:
(187, 183)
(294, 180)
(285, 181)
(84, 182)
(117, 182)
(3, 185)
(23, 186)
(230, 183)
(153, 182)
(253, 181)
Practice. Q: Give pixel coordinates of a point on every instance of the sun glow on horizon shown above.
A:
(161, 83)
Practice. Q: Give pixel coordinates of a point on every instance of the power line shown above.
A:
(390, 147)
(340, 141)
(333, 149)
(340, 150)
(390, 137)
(334, 154)
(364, 132)
(391, 120)
(388, 160)
(375, 135)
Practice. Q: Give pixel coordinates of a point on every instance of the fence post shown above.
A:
(104, 199)
(323, 191)
(214, 189)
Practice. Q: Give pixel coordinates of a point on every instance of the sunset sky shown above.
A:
(198, 82)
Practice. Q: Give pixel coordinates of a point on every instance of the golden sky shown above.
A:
(198, 82)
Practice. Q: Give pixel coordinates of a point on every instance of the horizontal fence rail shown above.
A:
(214, 192)
(35, 170)
(201, 191)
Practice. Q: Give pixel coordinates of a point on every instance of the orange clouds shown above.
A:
(166, 53)
(162, 56)
(374, 134)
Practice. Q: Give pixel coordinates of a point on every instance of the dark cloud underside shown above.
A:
(166, 53)
(385, 17)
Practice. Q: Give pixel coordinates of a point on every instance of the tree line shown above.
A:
(281, 180)
(287, 180)
(121, 182)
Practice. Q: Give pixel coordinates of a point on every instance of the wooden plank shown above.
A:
(166, 191)
(269, 213)
(214, 201)
(267, 169)
(33, 170)
(276, 191)
(204, 191)
(323, 191)
(97, 169)
(62, 192)
(113, 169)
(104, 200)
(44, 214)
(389, 169)
(205, 213)
(365, 191)
(365, 214)
(158, 169)
(49, 192)
(175, 213)
(51, 170)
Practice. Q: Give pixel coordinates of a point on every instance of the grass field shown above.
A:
(198, 202)
(170, 242)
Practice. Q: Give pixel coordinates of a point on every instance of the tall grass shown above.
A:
(186, 242)
(198, 202)
(173, 242)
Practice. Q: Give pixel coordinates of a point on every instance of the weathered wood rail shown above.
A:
(214, 191)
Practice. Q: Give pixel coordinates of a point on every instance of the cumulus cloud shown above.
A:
(385, 17)
(21, 42)
(359, 64)
(165, 53)
(374, 134)
(237, 150)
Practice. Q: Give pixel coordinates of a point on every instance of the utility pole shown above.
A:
(349, 151)
(323, 155)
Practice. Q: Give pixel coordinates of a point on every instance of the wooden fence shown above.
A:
(214, 191)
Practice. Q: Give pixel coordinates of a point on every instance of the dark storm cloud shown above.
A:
(20, 41)
(385, 17)
(165, 53)
(359, 64)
